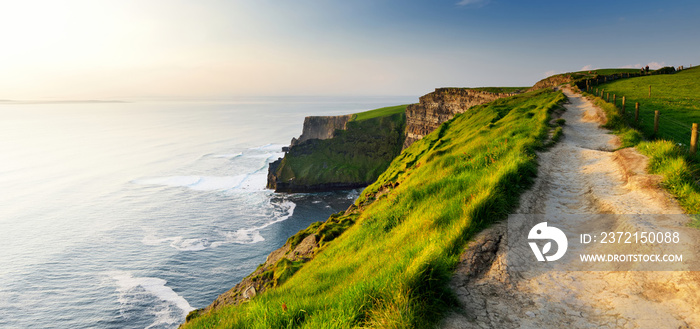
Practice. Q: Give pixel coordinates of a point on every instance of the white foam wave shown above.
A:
(198, 183)
(178, 243)
(227, 156)
(353, 194)
(241, 236)
(270, 147)
(129, 287)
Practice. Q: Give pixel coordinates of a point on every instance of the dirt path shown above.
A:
(580, 175)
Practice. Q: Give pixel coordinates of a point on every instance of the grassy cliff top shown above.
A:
(609, 71)
(380, 112)
(495, 90)
(390, 268)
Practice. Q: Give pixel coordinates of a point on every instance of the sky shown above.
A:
(206, 49)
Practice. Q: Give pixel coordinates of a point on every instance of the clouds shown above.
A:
(479, 3)
(588, 68)
(549, 73)
(652, 65)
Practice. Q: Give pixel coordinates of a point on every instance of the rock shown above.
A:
(306, 247)
(439, 106)
(249, 293)
(530, 314)
(550, 82)
(321, 127)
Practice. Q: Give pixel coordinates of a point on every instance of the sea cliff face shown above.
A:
(552, 81)
(442, 105)
(321, 127)
(338, 152)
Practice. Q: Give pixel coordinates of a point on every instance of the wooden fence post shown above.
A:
(623, 105)
(607, 97)
(694, 139)
(636, 112)
(656, 122)
(615, 99)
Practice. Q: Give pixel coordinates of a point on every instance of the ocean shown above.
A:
(130, 215)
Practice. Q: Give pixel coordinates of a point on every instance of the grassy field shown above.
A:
(608, 71)
(381, 112)
(668, 154)
(675, 96)
(390, 268)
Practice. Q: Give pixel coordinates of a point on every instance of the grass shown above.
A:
(608, 71)
(679, 172)
(357, 155)
(668, 156)
(381, 112)
(390, 268)
(675, 96)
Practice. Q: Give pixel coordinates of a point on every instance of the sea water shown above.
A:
(130, 215)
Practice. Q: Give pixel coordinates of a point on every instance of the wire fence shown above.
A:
(652, 123)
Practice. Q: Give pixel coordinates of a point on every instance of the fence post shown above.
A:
(694, 139)
(636, 112)
(615, 99)
(656, 122)
(623, 105)
(607, 97)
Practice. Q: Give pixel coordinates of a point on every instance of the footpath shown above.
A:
(578, 176)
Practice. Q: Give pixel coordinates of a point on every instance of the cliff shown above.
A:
(321, 127)
(442, 105)
(387, 261)
(282, 263)
(342, 152)
(552, 81)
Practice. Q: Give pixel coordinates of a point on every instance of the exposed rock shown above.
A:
(249, 293)
(334, 153)
(553, 81)
(272, 172)
(321, 127)
(262, 278)
(439, 106)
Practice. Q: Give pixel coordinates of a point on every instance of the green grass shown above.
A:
(381, 112)
(667, 157)
(679, 172)
(675, 96)
(357, 155)
(608, 71)
(390, 268)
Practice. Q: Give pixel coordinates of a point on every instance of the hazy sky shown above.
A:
(99, 49)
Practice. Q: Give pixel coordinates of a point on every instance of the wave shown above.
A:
(353, 194)
(240, 236)
(178, 243)
(132, 290)
(197, 183)
(227, 156)
(270, 147)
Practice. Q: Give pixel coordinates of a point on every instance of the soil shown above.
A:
(582, 174)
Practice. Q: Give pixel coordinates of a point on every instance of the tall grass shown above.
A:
(390, 269)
